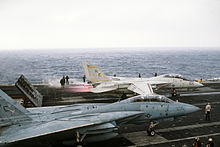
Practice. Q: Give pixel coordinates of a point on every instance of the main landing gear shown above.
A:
(79, 140)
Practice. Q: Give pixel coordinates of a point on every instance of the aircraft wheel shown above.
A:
(151, 132)
(79, 144)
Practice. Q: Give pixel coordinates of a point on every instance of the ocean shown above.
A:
(45, 66)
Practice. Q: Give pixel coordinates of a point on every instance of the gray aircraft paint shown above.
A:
(96, 121)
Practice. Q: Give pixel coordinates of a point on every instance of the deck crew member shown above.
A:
(84, 78)
(62, 82)
(67, 80)
(200, 80)
(207, 111)
(197, 142)
(139, 75)
(210, 143)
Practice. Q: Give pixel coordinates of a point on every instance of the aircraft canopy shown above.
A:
(150, 98)
(175, 76)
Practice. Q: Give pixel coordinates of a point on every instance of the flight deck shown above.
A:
(175, 133)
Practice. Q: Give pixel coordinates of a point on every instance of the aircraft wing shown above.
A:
(101, 89)
(57, 128)
(104, 87)
(141, 88)
(158, 84)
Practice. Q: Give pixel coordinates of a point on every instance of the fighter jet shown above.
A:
(102, 83)
(81, 123)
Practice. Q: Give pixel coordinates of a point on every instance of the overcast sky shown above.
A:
(39, 24)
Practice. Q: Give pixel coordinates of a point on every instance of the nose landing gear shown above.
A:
(174, 93)
(151, 129)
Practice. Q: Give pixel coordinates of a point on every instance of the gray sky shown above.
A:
(38, 24)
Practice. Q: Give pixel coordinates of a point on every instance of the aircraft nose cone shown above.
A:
(190, 108)
(199, 84)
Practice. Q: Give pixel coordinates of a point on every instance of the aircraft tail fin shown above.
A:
(10, 108)
(93, 73)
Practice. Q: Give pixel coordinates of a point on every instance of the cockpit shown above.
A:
(149, 98)
(175, 76)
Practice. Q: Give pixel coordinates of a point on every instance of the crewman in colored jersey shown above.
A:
(210, 143)
(199, 81)
(197, 142)
(207, 111)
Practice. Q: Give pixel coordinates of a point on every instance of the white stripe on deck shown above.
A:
(160, 141)
(188, 127)
(142, 139)
(188, 138)
(201, 104)
(200, 93)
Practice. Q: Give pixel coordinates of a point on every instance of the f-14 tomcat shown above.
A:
(81, 123)
(102, 83)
